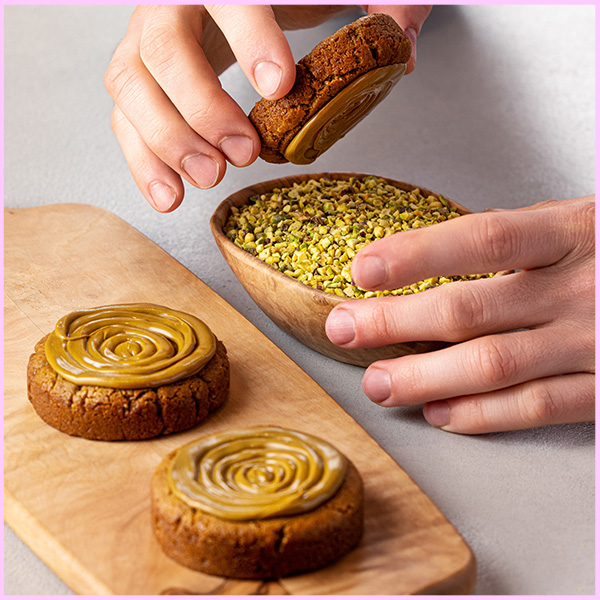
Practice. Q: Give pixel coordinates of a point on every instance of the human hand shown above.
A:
(171, 116)
(523, 343)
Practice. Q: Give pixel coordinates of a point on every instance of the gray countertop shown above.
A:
(499, 113)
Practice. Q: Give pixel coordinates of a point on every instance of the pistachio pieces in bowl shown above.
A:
(290, 243)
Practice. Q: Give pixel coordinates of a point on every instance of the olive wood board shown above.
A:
(83, 506)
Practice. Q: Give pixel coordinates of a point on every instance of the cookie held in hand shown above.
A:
(337, 84)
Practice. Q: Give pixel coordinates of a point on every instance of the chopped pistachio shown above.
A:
(312, 230)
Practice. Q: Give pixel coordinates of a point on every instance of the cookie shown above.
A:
(127, 372)
(358, 66)
(261, 502)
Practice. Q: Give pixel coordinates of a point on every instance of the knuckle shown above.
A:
(408, 382)
(461, 312)
(579, 342)
(158, 47)
(161, 138)
(474, 416)
(382, 325)
(583, 222)
(119, 78)
(573, 289)
(498, 241)
(117, 120)
(202, 115)
(538, 406)
(498, 365)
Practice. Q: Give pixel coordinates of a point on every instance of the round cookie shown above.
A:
(185, 381)
(353, 53)
(305, 517)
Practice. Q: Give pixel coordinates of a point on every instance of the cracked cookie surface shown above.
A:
(260, 548)
(104, 413)
(366, 44)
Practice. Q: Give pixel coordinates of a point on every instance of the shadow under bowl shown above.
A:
(299, 309)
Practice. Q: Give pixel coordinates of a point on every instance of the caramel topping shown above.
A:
(342, 113)
(129, 346)
(256, 473)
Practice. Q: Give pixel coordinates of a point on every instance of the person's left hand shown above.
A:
(173, 119)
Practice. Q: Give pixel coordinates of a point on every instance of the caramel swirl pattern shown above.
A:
(129, 346)
(256, 473)
(332, 122)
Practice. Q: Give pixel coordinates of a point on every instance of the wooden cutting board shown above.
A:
(83, 506)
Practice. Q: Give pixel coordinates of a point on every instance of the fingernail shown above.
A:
(377, 385)
(268, 77)
(162, 196)
(238, 149)
(370, 272)
(203, 169)
(340, 327)
(437, 413)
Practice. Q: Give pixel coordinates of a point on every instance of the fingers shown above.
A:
(147, 122)
(463, 310)
(476, 243)
(410, 18)
(450, 313)
(477, 366)
(172, 118)
(537, 376)
(549, 401)
(261, 49)
(160, 184)
(171, 52)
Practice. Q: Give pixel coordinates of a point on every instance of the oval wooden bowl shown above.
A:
(299, 309)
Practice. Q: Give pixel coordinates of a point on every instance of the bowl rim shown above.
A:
(241, 196)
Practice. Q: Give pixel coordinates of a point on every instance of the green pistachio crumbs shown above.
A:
(312, 230)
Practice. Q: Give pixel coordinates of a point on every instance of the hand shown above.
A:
(523, 343)
(171, 116)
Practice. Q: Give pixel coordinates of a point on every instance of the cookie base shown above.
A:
(259, 549)
(103, 413)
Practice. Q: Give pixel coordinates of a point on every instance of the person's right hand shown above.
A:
(171, 116)
(521, 347)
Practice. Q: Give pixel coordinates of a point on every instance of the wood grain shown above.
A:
(299, 309)
(83, 506)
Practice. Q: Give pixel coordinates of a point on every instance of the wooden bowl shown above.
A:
(295, 307)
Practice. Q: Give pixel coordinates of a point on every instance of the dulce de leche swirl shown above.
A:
(256, 473)
(347, 108)
(129, 346)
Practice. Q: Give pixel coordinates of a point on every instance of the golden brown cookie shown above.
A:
(371, 43)
(128, 411)
(245, 547)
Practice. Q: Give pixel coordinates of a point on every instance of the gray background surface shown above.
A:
(499, 113)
